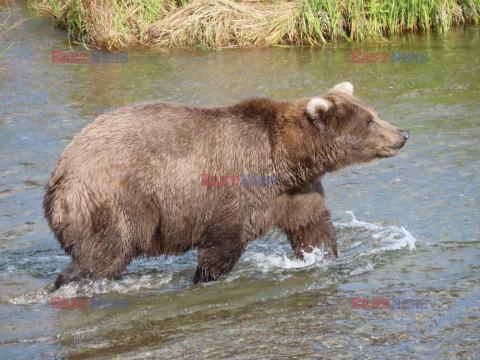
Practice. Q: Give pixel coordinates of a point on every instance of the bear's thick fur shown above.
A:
(130, 183)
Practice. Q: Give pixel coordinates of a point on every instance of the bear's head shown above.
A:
(349, 130)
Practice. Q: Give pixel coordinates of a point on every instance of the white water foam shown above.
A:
(268, 262)
(390, 237)
(385, 238)
(363, 269)
(92, 288)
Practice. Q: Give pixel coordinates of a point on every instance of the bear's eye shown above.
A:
(369, 120)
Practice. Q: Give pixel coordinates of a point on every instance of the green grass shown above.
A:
(116, 24)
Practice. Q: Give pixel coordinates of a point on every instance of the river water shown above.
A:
(408, 227)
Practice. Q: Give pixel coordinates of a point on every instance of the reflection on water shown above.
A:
(407, 226)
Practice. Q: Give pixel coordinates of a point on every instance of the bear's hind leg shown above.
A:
(73, 272)
(221, 247)
(104, 264)
(216, 261)
(307, 224)
(106, 255)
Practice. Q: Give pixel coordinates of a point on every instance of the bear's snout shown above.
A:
(405, 134)
(393, 139)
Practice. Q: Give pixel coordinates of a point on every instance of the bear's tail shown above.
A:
(49, 199)
(53, 209)
(61, 205)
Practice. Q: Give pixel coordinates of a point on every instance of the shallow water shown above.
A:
(407, 226)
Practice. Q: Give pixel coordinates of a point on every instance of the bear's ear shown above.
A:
(345, 87)
(317, 105)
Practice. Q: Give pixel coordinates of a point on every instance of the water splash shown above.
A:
(268, 262)
(388, 237)
(126, 285)
(369, 239)
(360, 243)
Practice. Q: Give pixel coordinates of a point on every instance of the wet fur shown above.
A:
(130, 182)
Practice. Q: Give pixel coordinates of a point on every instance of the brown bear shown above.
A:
(132, 182)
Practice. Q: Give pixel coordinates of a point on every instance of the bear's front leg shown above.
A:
(305, 220)
(220, 248)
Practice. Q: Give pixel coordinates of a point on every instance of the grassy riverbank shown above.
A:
(113, 24)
